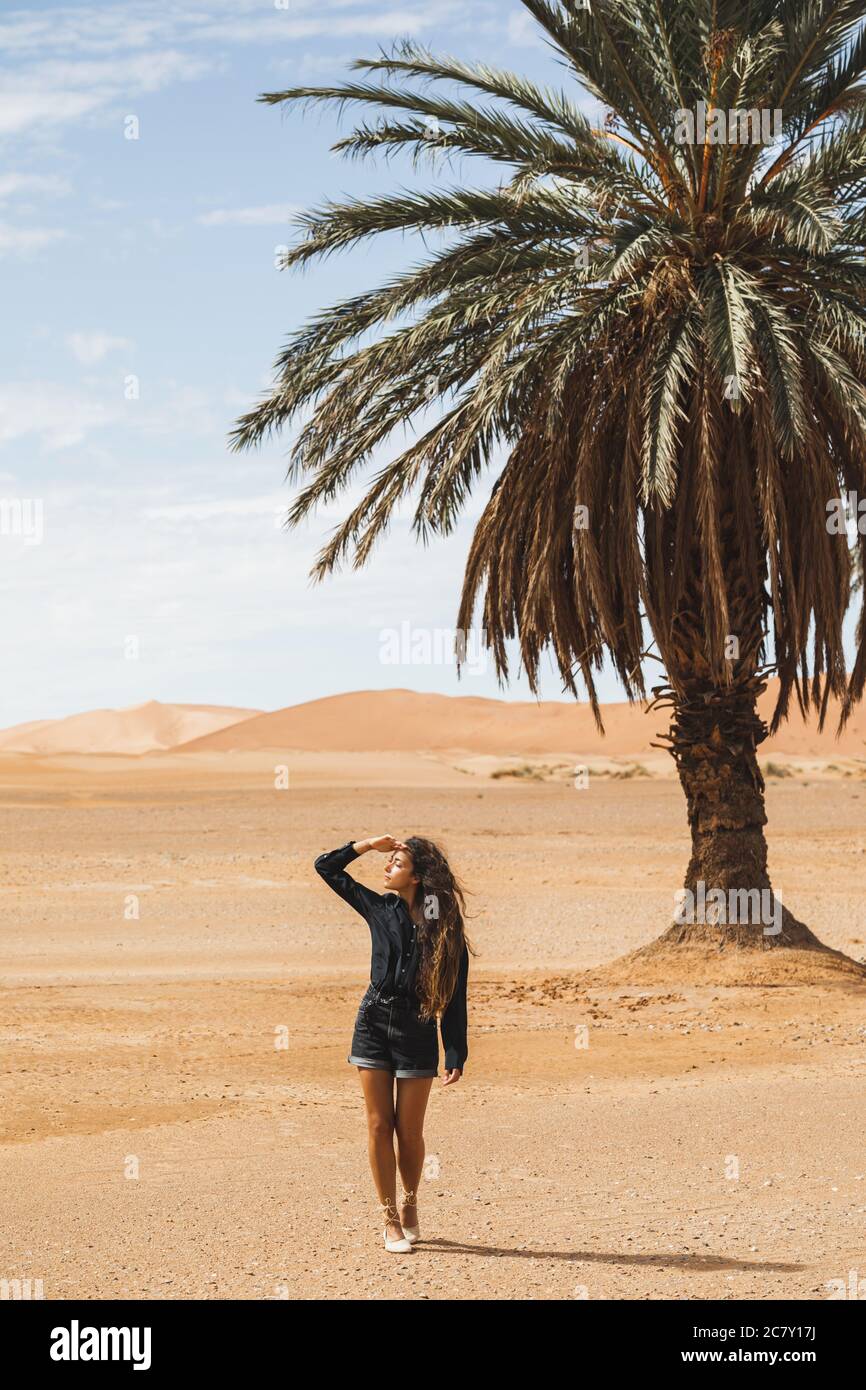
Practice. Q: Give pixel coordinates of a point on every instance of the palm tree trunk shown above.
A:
(714, 736)
(728, 897)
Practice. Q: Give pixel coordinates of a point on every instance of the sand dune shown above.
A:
(403, 720)
(137, 729)
(368, 721)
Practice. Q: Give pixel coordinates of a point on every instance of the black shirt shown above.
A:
(396, 956)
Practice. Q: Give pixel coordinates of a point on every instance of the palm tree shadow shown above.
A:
(700, 1263)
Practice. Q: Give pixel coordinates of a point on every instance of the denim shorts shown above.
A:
(389, 1036)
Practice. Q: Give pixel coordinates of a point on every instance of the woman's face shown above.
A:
(399, 873)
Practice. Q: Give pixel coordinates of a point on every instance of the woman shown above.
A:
(420, 965)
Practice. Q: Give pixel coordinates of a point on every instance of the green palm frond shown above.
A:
(666, 337)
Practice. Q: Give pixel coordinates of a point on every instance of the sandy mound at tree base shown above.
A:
(698, 964)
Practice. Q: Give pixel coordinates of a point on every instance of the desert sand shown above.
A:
(179, 988)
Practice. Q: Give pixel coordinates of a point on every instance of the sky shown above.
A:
(144, 198)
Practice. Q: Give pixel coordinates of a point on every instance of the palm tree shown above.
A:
(662, 334)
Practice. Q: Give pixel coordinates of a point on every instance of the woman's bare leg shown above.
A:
(413, 1092)
(378, 1088)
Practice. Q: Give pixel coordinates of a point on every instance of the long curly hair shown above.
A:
(442, 934)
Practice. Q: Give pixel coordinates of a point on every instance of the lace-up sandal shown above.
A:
(412, 1233)
(397, 1246)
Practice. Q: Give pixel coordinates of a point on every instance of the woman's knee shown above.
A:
(380, 1126)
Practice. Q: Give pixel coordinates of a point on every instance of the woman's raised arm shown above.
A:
(332, 868)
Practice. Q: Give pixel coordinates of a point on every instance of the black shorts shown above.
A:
(390, 1036)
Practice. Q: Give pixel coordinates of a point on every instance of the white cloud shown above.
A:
(21, 241)
(119, 28)
(49, 184)
(25, 107)
(76, 61)
(54, 93)
(209, 509)
(267, 216)
(179, 412)
(89, 348)
(56, 416)
(143, 72)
